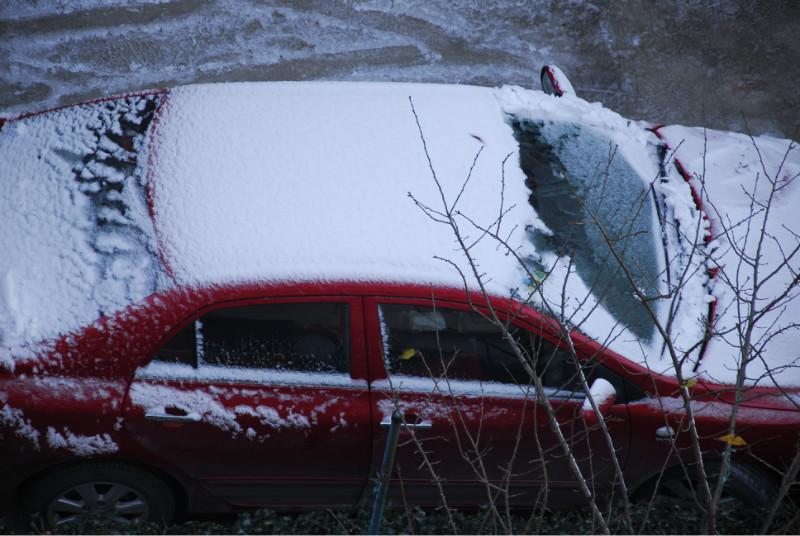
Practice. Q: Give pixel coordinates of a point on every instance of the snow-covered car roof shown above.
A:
(317, 181)
(311, 181)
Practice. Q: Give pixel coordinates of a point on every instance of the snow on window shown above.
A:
(77, 239)
(677, 245)
(453, 344)
(576, 178)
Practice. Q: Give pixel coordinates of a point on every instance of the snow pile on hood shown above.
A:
(331, 181)
(750, 189)
(727, 170)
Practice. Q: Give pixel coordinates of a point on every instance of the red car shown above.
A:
(214, 297)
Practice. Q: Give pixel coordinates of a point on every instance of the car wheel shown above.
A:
(118, 492)
(745, 485)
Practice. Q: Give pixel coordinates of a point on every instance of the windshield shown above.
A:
(598, 212)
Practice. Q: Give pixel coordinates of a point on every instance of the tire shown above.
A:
(745, 486)
(121, 493)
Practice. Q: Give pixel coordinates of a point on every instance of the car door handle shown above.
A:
(165, 417)
(424, 425)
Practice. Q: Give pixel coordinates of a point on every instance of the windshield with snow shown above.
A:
(599, 214)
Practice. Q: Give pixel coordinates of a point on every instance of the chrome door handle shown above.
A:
(165, 417)
(424, 425)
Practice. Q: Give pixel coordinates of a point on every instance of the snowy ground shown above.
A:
(692, 63)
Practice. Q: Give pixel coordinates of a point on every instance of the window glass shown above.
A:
(310, 337)
(576, 178)
(438, 342)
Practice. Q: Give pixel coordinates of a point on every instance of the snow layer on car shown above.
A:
(750, 221)
(81, 445)
(327, 181)
(331, 181)
(77, 241)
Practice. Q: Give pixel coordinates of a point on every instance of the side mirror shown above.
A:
(555, 82)
(604, 395)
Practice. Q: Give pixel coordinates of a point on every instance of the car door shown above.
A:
(480, 434)
(264, 403)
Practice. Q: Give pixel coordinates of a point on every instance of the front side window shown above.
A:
(425, 341)
(308, 337)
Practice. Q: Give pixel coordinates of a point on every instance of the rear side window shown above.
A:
(439, 342)
(308, 337)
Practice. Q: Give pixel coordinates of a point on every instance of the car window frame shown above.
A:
(525, 318)
(358, 365)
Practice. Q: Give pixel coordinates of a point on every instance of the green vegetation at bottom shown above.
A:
(658, 520)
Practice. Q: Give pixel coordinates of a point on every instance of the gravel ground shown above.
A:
(728, 64)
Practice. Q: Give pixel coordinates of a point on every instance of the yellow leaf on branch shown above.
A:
(733, 439)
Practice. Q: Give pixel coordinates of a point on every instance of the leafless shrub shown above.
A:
(745, 281)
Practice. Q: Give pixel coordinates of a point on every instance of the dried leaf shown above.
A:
(733, 439)
(407, 354)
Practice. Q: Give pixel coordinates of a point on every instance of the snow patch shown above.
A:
(475, 389)
(601, 391)
(157, 370)
(81, 445)
(14, 419)
(201, 404)
(332, 165)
